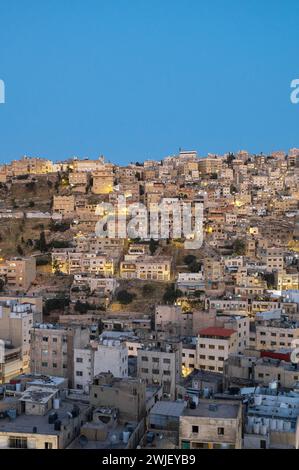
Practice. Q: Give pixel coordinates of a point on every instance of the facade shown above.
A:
(106, 390)
(160, 364)
(52, 350)
(213, 347)
(212, 425)
(101, 356)
(18, 273)
(147, 268)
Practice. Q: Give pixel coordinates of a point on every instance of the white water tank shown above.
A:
(287, 426)
(256, 428)
(250, 420)
(257, 400)
(273, 424)
(248, 428)
(56, 403)
(280, 425)
(18, 387)
(126, 437)
(266, 421)
(273, 385)
(264, 429)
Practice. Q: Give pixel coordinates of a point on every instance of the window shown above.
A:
(145, 371)
(155, 359)
(195, 429)
(17, 442)
(54, 365)
(155, 371)
(144, 358)
(211, 358)
(79, 373)
(48, 445)
(220, 431)
(166, 372)
(166, 361)
(44, 364)
(45, 339)
(54, 341)
(79, 359)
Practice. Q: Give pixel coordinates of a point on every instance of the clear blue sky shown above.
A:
(136, 79)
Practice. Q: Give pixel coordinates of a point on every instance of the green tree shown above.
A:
(171, 294)
(239, 247)
(125, 297)
(153, 245)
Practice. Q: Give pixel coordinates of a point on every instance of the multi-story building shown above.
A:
(212, 424)
(213, 347)
(71, 262)
(160, 363)
(105, 355)
(52, 349)
(18, 273)
(147, 268)
(128, 395)
(64, 205)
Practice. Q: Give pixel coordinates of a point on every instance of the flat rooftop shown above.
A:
(212, 409)
(25, 423)
(168, 408)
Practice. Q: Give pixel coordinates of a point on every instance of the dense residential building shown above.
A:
(158, 337)
(212, 424)
(213, 347)
(53, 346)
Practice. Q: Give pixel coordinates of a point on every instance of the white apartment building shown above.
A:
(105, 355)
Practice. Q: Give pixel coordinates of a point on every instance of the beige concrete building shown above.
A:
(213, 347)
(125, 394)
(147, 268)
(52, 349)
(18, 273)
(41, 420)
(213, 424)
(71, 262)
(64, 205)
(160, 364)
(103, 180)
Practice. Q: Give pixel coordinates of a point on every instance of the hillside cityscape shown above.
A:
(120, 328)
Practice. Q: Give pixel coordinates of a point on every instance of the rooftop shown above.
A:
(168, 408)
(214, 409)
(213, 331)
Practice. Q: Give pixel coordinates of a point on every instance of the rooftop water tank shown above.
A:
(256, 428)
(126, 437)
(56, 403)
(279, 425)
(264, 429)
(287, 426)
(273, 424)
(273, 385)
(257, 400)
